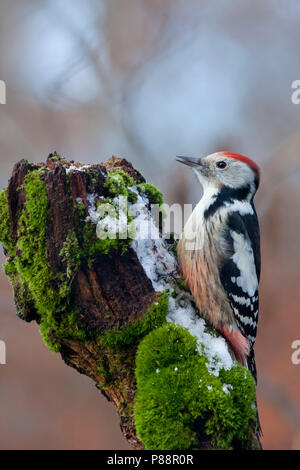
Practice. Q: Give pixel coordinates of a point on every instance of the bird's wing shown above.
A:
(240, 272)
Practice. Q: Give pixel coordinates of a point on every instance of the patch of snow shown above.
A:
(78, 168)
(93, 213)
(150, 248)
(226, 388)
(213, 348)
(112, 219)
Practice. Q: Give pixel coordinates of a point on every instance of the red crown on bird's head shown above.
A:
(242, 158)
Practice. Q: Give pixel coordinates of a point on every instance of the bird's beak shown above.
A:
(190, 161)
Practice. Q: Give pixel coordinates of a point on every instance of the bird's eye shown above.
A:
(221, 165)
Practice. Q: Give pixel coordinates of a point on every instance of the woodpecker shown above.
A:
(219, 250)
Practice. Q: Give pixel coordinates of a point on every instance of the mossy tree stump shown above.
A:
(98, 305)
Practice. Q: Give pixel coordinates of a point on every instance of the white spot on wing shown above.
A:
(245, 320)
(244, 259)
(242, 207)
(241, 300)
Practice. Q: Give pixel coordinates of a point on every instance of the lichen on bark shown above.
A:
(106, 308)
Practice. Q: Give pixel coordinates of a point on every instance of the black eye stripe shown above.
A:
(221, 164)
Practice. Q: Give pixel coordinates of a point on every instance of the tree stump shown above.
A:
(113, 303)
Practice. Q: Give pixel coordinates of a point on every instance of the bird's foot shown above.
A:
(184, 299)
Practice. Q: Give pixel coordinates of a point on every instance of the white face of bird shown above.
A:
(224, 169)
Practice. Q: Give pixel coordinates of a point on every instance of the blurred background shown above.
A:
(148, 80)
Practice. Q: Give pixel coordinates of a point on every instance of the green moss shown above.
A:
(132, 333)
(92, 246)
(182, 284)
(54, 329)
(103, 371)
(80, 209)
(153, 194)
(9, 269)
(56, 158)
(5, 237)
(70, 254)
(89, 245)
(23, 295)
(29, 270)
(175, 390)
(31, 262)
(117, 183)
